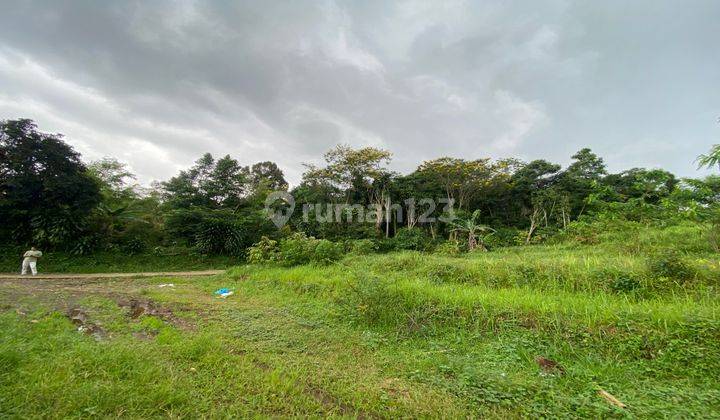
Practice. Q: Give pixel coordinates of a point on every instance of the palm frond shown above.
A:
(712, 158)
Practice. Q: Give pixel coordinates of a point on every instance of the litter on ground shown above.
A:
(223, 292)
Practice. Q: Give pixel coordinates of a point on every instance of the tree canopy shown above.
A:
(49, 197)
(45, 190)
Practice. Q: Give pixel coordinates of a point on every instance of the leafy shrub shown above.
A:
(326, 252)
(296, 249)
(264, 251)
(542, 234)
(668, 264)
(217, 231)
(219, 237)
(539, 236)
(615, 280)
(183, 225)
(503, 237)
(54, 231)
(148, 233)
(84, 245)
(451, 248)
(341, 231)
(385, 245)
(133, 246)
(363, 246)
(582, 232)
(412, 239)
(520, 237)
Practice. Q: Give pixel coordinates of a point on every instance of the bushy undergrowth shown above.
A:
(296, 249)
(264, 251)
(362, 246)
(412, 295)
(554, 268)
(219, 236)
(670, 265)
(451, 248)
(604, 316)
(637, 237)
(411, 239)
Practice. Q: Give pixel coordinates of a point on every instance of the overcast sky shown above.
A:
(156, 84)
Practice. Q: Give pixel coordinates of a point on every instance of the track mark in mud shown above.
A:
(136, 308)
(81, 320)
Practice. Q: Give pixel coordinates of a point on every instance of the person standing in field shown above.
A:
(30, 260)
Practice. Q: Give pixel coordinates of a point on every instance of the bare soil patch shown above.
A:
(65, 296)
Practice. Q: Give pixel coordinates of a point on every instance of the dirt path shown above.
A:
(69, 276)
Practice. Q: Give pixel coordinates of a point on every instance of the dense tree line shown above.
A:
(50, 198)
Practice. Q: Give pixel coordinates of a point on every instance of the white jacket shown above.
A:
(32, 256)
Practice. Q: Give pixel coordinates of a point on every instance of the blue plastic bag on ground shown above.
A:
(224, 292)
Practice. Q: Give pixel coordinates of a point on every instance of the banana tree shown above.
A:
(474, 230)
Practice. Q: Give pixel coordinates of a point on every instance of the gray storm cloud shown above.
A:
(156, 84)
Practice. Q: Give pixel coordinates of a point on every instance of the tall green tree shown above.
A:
(580, 178)
(114, 176)
(46, 192)
(649, 185)
(357, 176)
(129, 215)
(459, 179)
(211, 184)
(267, 176)
(115, 181)
(352, 172)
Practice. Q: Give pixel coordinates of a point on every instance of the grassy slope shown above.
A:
(252, 354)
(399, 334)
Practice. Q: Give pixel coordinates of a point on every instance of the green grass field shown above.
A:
(395, 335)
